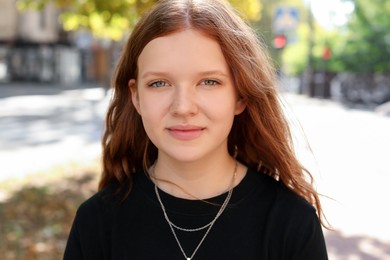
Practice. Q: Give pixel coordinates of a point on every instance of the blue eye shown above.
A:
(210, 82)
(158, 84)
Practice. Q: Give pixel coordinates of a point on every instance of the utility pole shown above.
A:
(307, 86)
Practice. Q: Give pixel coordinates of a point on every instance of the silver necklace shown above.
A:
(172, 226)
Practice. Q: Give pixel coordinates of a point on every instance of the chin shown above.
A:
(186, 155)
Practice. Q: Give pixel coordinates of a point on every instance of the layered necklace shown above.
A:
(208, 226)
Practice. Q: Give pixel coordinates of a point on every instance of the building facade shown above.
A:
(34, 47)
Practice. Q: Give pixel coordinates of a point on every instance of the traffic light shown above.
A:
(280, 41)
(326, 53)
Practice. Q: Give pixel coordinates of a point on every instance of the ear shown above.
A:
(240, 106)
(134, 94)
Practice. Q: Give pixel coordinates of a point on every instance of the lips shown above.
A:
(186, 132)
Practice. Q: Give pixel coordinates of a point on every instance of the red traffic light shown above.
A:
(326, 53)
(280, 41)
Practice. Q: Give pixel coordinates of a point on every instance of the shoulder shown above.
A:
(284, 200)
(98, 207)
(288, 208)
(284, 206)
(293, 229)
(106, 203)
(90, 232)
(289, 202)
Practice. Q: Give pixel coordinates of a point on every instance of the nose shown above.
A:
(184, 101)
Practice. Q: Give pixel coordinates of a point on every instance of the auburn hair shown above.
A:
(261, 134)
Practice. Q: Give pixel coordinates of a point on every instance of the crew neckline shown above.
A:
(184, 206)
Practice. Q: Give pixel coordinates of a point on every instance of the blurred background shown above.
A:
(56, 62)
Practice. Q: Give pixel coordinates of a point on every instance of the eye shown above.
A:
(210, 82)
(158, 84)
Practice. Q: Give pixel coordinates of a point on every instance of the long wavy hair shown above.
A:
(261, 133)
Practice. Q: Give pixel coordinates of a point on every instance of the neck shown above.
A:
(196, 180)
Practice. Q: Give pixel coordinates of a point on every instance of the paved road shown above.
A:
(350, 159)
(43, 126)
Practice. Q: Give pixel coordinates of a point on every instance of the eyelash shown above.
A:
(154, 84)
(213, 82)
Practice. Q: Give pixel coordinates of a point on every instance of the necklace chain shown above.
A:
(172, 226)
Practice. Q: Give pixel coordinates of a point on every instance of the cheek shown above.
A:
(221, 114)
(150, 104)
(151, 125)
(150, 116)
(153, 111)
(221, 107)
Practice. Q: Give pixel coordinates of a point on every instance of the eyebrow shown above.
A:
(213, 72)
(201, 74)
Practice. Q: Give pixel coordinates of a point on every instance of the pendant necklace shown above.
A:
(208, 226)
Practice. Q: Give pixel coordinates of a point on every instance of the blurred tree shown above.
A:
(365, 47)
(106, 19)
(114, 18)
(249, 9)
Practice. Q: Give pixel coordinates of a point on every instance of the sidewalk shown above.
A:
(349, 161)
(42, 126)
(17, 89)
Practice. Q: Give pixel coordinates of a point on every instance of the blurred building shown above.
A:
(34, 47)
(8, 23)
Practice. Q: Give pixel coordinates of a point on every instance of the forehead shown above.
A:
(184, 50)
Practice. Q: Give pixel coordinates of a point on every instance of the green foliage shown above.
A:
(366, 45)
(250, 9)
(105, 19)
(295, 55)
(363, 45)
(112, 19)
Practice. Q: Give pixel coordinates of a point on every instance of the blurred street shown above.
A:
(42, 126)
(350, 164)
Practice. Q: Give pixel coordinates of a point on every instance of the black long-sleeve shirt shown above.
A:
(264, 220)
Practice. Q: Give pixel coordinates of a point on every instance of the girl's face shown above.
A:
(185, 95)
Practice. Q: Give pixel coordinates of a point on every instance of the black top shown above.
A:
(264, 220)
